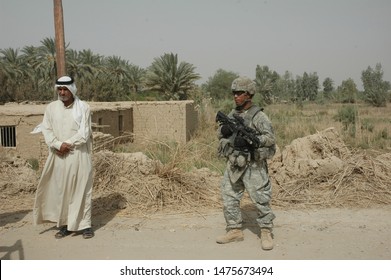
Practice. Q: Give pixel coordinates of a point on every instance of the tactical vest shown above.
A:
(241, 158)
(249, 115)
(261, 152)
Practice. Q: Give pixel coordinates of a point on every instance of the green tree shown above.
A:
(375, 89)
(33, 88)
(328, 87)
(169, 78)
(347, 91)
(306, 87)
(45, 63)
(218, 87)
(267, 83)
(85, 67)
(285, 87)
(114, 79)
(136, 77)
(12, 75)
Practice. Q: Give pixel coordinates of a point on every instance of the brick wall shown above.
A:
(163, 121)
(112, 121)
(27, 144)
(174, 121)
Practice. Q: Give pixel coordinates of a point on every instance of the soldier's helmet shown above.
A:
(243, 84)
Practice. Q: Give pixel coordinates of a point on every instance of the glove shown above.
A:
(240, 142)
(226, 131)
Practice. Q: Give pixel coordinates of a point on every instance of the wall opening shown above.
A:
(8, 136)
(100, 122)
(120, 124)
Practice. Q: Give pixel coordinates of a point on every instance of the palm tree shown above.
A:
(12, 75)
(11, 63)
(83, 64)
(112, 82)
(172, 80)
(36, 83)
(85, 67)
(116, 67)
(45, 64)
(136, 76)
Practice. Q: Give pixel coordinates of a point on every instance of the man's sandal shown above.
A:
(62, 233)
(88, 233)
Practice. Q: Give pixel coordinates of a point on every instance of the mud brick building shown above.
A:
(163, 120)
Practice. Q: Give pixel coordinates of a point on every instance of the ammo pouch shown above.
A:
(239, 159)
(236, 158)
(263, 153)
(225, 148)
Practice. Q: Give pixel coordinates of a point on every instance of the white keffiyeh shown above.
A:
(78, 108)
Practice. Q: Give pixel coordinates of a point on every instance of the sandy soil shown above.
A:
(326, 234)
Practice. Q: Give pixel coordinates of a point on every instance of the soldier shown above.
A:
(246, 166)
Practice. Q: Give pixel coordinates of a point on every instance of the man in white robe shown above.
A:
(64, 191)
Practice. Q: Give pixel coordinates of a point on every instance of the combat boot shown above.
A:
(232, 235)
(266, 239)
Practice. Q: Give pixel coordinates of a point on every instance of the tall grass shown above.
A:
(199, 152)
(360, 126)
(371, 131)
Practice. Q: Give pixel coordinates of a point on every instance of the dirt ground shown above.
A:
(326, 234)
(330, 203)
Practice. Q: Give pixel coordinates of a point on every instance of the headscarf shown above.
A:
(78, 109)
(68, 82)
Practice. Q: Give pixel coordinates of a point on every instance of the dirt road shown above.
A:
(327, 234)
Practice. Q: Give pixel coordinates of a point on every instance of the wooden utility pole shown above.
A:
(59, 37)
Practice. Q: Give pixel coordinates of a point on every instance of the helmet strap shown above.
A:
(241, 106)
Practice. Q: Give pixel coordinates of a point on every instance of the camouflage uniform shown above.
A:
(253, 176)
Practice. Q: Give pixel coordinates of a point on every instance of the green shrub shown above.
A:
(33, 163)
(347, 115)
(367, 124)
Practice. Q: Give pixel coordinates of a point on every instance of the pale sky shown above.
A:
(334, 38)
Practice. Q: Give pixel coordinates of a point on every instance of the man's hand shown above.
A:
(240, 142)
(64, 149)
(226, 131)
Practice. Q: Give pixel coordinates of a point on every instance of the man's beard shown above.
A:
(64, 98)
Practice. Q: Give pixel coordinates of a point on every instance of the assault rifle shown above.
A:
(237, 126)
